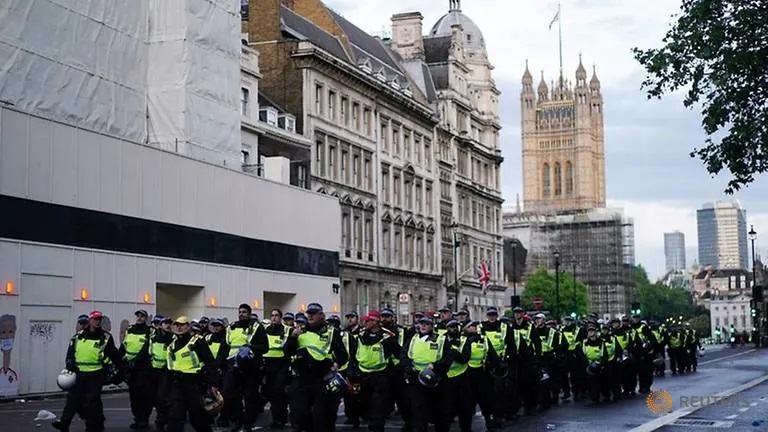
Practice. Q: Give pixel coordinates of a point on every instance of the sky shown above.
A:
(649, 172)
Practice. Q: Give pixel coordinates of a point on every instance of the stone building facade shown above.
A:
(563, 144)
(373, 110)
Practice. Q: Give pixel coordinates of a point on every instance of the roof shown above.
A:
(722, 273)
(365, 44)
(473, 36)
(437, 49)
(304, 29)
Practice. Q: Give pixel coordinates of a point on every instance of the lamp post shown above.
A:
(557, 284)
(514, 270)
(756, 324)
(573, 263)
(456, 245)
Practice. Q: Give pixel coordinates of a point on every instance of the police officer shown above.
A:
(89, 351)
(319, 350)
(610, 370)
(158, 351)
(396, 383)
(595, 357)
(444, 316)
(352, 408)
(573, 372)
(276, 372)
(190, 372)
(241, 395)
(216, 338)
(135, 353)
(427, 351)
(369, 357)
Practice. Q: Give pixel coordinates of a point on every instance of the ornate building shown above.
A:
(450, 64)
(563, 144)
(405, 134)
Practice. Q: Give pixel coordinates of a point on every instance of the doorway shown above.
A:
(283, 301)
(174, 300)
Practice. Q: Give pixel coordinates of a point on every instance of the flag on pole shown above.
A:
(485, 276)
(556, 18)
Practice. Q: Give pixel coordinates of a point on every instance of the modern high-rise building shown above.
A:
(563, 144)
(674, 250)
(722, 232)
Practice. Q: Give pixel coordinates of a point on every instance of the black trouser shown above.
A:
(645, 374)
(429, 405)
(676, 363)
(611, 382)
(277, 378)
(185, 397)
(241, 393)
(352, 408)
(628, 371)
(313, 409)
(397, 389)
(375, 399)
(140, 394)
(549, 389)
(693, 357)
(595, 385)
(527, 385)
(470, 389)
(85, 398)
(573, 383)
(159, 391)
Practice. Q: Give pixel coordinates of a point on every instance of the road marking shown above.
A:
(745, 409)
(27, 411)
(682, 412)
(727, 357)
(753, 404)
(732, 416)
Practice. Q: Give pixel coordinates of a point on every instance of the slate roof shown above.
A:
(365, 44)
(437, 49)
(439, 74)
(304, 29)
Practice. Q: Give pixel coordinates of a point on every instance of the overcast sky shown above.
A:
(648, 170)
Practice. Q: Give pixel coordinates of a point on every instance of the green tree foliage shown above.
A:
(543, 284)
(717, 51)
(659, 301)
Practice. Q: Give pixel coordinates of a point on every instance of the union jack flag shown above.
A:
(485, 276)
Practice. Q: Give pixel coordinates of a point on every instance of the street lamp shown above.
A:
(557, 284)
(514, 270)
(456, 245)
(573, 263)
(756, 324)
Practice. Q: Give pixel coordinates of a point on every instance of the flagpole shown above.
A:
(560, 40)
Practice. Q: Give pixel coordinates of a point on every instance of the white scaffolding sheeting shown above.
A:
(194, 78)
(82, 62)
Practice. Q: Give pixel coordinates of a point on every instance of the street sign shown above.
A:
(404, 298)
(537, 303)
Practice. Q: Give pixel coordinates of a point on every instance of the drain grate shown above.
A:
(701, 423)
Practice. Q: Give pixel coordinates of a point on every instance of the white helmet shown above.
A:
(66, 380)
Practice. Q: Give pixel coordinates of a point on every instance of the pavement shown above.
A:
(729, 392)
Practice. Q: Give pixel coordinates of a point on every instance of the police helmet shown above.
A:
(66, 380)
(334, 383)
(428, 378)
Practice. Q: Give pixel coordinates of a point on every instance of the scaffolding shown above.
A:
(600, 242)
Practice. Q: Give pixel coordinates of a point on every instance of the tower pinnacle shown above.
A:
(454, 5)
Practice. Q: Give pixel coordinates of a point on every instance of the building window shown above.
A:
(397, 248)
(356, 116)
(428, 198)
(418, 197)
(358, 232)
(396, 189)
(395, 141)
(318, 99)
(345, 110)
(430, 254)
(244, 157)
(368, 245)
(384, 138)
(385, 184)
(320, 155)
(345, 240)
(385, 244)
(301, 177)
(407, 144)
(332, 162)
(545, 181)
(419, 252)
(428, 155)
(417, 148)
(408, 197)
(367, 121)
(245, 96)
(356, 175)
(367, 174)
(343, 166)
(558, 180)
(409, 250)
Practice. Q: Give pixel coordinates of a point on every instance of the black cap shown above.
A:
(82, 319)
(444, 309)
(314, 308)
(351, 314)
(334, 318)
(141, 312)
(418, 314)
(462, 311)
(288, 316)
(387, 312)
(452, 323)
(492, 311)
(518, 309)
(426, 320)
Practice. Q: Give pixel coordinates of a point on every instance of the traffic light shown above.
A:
(635, 308)
(754, 312)
(456, 240)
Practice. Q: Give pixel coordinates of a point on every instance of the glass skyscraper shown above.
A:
(722, 235)
(674, 250)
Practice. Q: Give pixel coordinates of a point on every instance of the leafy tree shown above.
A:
(543, 284)
(718, 51)
(659, 301)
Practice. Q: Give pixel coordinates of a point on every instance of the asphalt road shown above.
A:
(721, 369)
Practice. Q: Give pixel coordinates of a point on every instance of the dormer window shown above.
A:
(469, 38)
(365, 65)
(268, 115)
(380, 75)
(287, 122)
(394, 84)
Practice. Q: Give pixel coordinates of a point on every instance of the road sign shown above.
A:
(404, 298)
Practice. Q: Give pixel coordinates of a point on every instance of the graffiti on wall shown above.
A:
(9, 379)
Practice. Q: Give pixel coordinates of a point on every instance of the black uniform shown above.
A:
(375, 388)
(86, 396)
(186, 390)
(159, 382)
(277, 377)
(314, 409)
(138, 377)
(241, 386)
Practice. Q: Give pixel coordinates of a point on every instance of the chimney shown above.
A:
(288, 3)
(264, 20)
(407, 38)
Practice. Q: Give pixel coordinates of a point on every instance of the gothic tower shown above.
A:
(563, 145)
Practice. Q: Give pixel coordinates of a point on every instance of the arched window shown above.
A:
(558, 180)
(545, 181)
(568, 178)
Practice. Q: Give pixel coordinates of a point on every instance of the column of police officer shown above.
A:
(432, 372)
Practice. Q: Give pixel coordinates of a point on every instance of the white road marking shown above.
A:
(732, 416)
(753, 404)
(745, 409)
(682, 412)
(727, 357)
